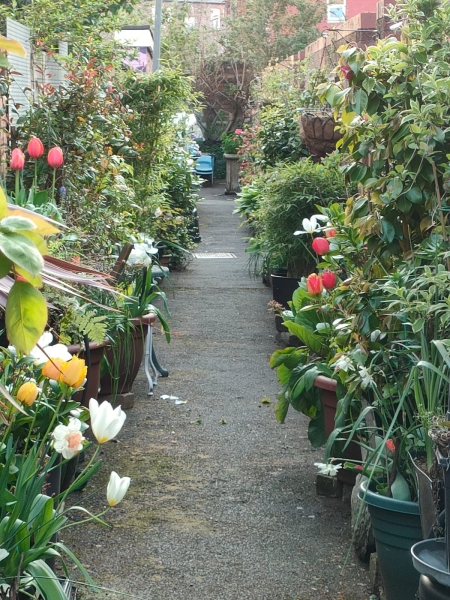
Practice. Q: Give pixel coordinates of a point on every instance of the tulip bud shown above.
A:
(329, 280)
(73, 372)
(330, 233)
(17, 159)
(28, 392)
(314, 284)
(35, 148)
(390, 446)
(53, 368)
(117, 488)
(55, 157)
(321, 245)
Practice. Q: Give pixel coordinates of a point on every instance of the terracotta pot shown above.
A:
(127, 356)
(329, 399)
(92, 386)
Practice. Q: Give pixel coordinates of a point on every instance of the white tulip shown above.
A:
(117, 488)
(42, 352)
(106, 422)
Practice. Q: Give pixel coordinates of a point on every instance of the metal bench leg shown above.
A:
(163, 372)
(148, 361)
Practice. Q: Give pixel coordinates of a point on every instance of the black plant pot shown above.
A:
(282, 290)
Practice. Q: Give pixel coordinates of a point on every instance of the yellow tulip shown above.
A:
(53, 368)
(28, 392)
(73, 372)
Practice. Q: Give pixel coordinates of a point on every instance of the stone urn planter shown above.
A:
(317, 130)
(233, 164)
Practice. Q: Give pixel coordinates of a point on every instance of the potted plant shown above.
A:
(129, 329)
(231, 142)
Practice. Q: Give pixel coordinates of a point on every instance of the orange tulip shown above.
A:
(28, 392)
(314, 284)
(73, 372)
(53, 368)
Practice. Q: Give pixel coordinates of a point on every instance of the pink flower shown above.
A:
(329, 233)
(68, 439)
(35, 148)
(314, 284)
(329, 280)
(321, 245)
(55, 157)
(17, 159)
(239, 131)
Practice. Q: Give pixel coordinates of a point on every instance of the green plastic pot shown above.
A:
(396, 527)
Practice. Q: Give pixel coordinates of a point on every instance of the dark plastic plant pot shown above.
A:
(396, 527)
(430, 558)
(282, 290)
(431, 590)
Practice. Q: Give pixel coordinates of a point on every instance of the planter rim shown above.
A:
(430, 558)
(325, 383)
(374, 499)
(231, 156)
(75, 348)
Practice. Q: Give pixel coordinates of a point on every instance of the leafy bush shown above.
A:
(278, 136)
(290, 193)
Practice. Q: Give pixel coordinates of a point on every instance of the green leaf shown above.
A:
(400, 489)
(3, 554)
(21, 251)
(26, 316)
(360, 100)
(414, 194)
(418, 325)
(17, 223)
(388, 231)
(316, 430)
(5, 266)
(46, 580)
(313, 341)
(281, 407)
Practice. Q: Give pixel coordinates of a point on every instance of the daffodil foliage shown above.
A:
(22, 246)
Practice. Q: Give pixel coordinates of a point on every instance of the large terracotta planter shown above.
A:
(126, 358)
(396, 526)
(233, 164)
(329, 399)
(93, 360)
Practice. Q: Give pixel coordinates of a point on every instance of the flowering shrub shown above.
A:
(231, 142)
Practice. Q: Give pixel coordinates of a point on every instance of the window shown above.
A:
(336, 11)
(215, 18)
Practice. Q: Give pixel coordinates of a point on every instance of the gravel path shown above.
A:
(222, 504)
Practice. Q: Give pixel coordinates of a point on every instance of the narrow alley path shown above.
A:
(222, 504)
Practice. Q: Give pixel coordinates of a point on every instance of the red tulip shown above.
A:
(35, 148)
(329, 280)
(314, 284)
(390, 446)
(329, 233)
(55, 157)
(321, 245)
(17, 159)
(347, 72)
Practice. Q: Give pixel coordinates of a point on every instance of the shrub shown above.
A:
(290, 193)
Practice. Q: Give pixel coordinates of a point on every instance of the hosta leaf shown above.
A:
(21, 251)
(26, 316)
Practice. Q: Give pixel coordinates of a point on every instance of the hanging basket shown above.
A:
(317, 130)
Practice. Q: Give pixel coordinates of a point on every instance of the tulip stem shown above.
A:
(17, 185)
(53, 186)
